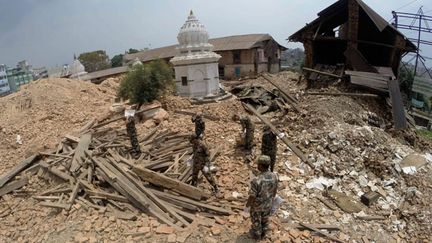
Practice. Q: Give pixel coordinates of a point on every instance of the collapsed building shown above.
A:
(357, 42)
(350, 32)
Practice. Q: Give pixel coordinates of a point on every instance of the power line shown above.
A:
(406, 5)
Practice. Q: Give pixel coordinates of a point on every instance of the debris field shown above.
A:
(345, 174)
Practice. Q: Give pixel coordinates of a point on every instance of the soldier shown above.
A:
(132, 134)
(269, 145)
(261, 195)
(199, 125)
(248, 132)
(201, 162)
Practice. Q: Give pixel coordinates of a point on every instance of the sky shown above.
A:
(49, 32)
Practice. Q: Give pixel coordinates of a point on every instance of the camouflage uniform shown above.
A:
(269, 145)
(248, 128)
(132, 134)
(199, 125)
(263, 190)
(201, 156)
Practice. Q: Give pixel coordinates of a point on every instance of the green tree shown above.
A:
(94, 61)
(146, 83)
(132, 51)
(406, 78)
(117, 60)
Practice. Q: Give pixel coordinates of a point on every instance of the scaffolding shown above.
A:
(418, 23)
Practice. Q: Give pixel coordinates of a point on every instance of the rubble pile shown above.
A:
(44, 110)
(360, 181)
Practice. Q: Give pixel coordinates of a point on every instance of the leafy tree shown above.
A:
(406, 78)
(117, 60)
(145, 83)
(94, 61)
(132, 51)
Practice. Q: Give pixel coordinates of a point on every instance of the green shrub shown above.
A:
(146, 83)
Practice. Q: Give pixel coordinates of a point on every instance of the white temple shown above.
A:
(196, 65)
(76, 69)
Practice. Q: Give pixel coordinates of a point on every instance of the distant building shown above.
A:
(242, 55)
(22, 74)
(4, 83)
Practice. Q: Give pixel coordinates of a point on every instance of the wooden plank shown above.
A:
(165, 196)
(17, 169)
(342, 94)
(169, 183)
(309, 227)
(276, 131)
(55, 205)
(74, 193)
(201, 205)
(154, 203)
(72, 138)
(13, 185)
(107, 195)
(190, 113)
(56, 155)
(327, 227)
(399, 118)
(43, 198)
(82, 146)
(322, 73)
(134, 190)
(57, 172)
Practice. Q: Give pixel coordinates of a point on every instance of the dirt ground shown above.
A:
(335, 132)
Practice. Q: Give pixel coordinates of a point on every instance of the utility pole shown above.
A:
(401, 22)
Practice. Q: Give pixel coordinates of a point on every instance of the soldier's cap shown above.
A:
(264, 160)
(266, 128)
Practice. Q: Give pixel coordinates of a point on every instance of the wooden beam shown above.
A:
(201, 205)
(18, 168)
(342, 94)
(309, 227)
(55, 205)
(327, 227)
(82, 146)
(190, 113)
(294, 148)
(398, 108)
(13, 186)
(321, 72)
(169, 183)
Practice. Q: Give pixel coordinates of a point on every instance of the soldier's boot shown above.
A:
(256, 228)
(194, 181)
(264, 225)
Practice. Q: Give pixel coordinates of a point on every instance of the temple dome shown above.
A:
(76, 69)
(193, 35)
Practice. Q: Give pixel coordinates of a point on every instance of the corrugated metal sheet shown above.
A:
(236, 42)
